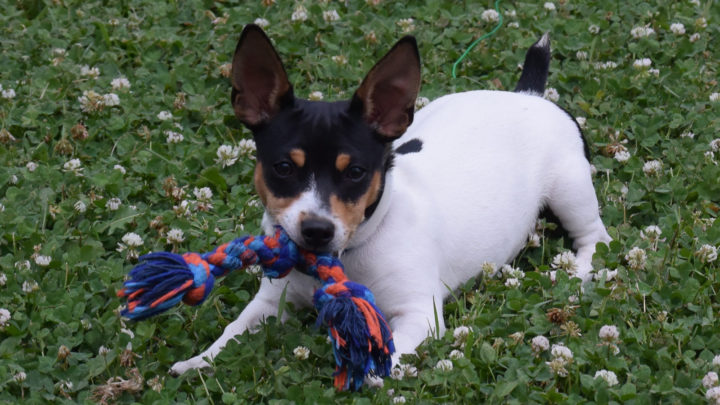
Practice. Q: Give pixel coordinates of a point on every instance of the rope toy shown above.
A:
(361, 338)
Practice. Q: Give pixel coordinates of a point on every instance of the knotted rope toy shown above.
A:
(361, 338)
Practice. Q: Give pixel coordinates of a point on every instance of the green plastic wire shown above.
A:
(487, 35)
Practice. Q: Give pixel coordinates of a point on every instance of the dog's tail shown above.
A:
(535, 69)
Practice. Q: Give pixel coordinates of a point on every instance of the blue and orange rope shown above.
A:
(361, 337)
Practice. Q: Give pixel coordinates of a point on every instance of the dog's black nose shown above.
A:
(317, 232)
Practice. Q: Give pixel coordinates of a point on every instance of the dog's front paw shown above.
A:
(194, 363)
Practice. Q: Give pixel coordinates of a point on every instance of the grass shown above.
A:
(59, 258)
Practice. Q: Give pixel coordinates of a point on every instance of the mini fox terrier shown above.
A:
(412, 203)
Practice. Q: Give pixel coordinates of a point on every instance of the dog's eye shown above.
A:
(284, 168)
(355, 173)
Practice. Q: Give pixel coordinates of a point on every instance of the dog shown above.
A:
(412, 203)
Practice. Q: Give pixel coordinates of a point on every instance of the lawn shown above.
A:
(117, 138)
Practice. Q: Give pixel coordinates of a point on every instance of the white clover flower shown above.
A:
(551, 94)
(654, 72)
(247, 146)
(609, 333)
(622, 156)
(593, 29)
(421, 102)
(581, 55)
(557, 366)
(30, 286)
(716, 361)
(461, 332)
(609, 377)
(397, 373)
(120, 168)
(652, 167)
(444, 365)
(373, 381)
(511, 13)
(301, 352)
(456, 354)
(13, 179)
(688, 134)
(183, 209)
(573, 299)
(490, 15)
(74, 166)
(113, 204)
(227, 155)
(175, 236)
(565, 261)
(640, 32)
(120, 83)
(636, 258)
(651, 233)
(513, 24)
(86, 324)
(132, 240)
(8, 94)
(715, 96)
(316, 96)
(2, 207)
(605, 274)
(340, 59)
(713, 395)
(512, 283)
(608, 65)
(582, 121)
(408, 370)
(261, 22)
(330, 16)
(701, 22)
(694, 37)
(111, 100)
(561, 351)
(65, 385)
(715, 145)
(203, 194)
(534, 240)
(643, 63)
(19, 377)
(22, 265)
(677, 28)
(43, 260)
(173, 137)
(299, 14)
(93, 72)
(406, 24)
(398, 399)
(710, 380)
(549, 6)
(103, 351)
(4, 317)
(3, 279)
(512, 272)
(707, 253)
(91, 101)
(539, 344)
(164, 115)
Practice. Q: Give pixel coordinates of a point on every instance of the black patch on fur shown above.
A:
(535, 69)
(558, 232)
(411, 146)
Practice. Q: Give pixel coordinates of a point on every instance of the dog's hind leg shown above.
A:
(573, 200)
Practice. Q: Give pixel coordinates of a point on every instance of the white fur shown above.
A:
(489, 162)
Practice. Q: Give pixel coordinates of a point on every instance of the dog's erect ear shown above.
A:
(388, 92)
(260, 84)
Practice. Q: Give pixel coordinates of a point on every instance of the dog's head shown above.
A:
(321, 165)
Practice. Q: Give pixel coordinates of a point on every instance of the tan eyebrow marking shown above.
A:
(342, 161)
(298, 157)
